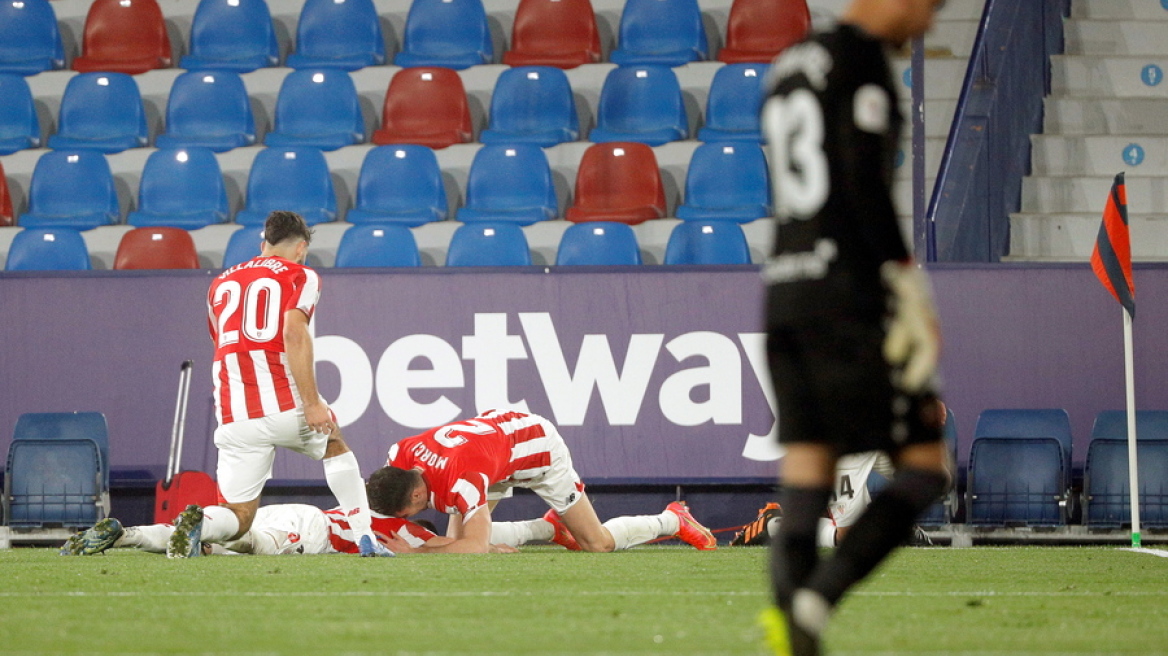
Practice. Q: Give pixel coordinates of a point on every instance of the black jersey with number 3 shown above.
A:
(833, 126)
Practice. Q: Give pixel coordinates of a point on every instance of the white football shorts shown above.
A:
(851, 495)
(559, 485)
(248, 448)
(291, 528)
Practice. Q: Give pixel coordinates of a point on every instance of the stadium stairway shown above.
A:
(1105, 114)
(948, 46)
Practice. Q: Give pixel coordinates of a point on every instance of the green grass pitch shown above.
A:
(544, 600)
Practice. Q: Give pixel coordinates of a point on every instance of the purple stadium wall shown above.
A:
(653, 375)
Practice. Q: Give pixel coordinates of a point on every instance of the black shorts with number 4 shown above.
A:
(834, 387)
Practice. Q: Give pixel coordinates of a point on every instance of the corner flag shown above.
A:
(1111, 258)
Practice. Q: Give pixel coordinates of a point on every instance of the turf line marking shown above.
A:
(590, 593)
(1151, 552)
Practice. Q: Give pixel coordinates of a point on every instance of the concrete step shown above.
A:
(1096, 116)
(1092, 76)
(1071, 236)
(1059, 155)
(1144, 10)
(1061, 195)
(1115, 37)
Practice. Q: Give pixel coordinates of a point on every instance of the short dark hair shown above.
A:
(389, 489)
(282, 225)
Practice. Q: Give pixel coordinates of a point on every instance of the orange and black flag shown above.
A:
(1111, 258)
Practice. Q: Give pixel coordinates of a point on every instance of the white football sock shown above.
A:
(516, 534)
(219, 524)
(630, 531)
(826, 533)
(343, 475)
(147, 538)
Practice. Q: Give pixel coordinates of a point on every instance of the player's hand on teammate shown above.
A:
(913, 343)
(319, 417)
(394, 543)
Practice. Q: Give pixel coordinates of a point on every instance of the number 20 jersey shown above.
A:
(245, 314)
(833, 125)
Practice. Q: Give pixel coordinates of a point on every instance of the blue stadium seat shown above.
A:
(19, 126)
(30, 41)
(734, 104)
(71, 189)
(532, 104)
(378, 245)
(726, 181)
(509, 183)
(48, 249)
(66, 426)
(642, 104)
(232, 35)
(319, 108)
(101, 111)
(208, 109)
(707, 242)
(1046, 422)
(345, 35)
(294, 179)
(399, 184)
(602, 243)
(53, 483)
(180, 188)
(942, 512)
(1016, 481)
(1106, 483)
(661, 32)
(243, 245)
(488, 244)
(448, 33)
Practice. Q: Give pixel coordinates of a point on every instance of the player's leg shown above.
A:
(807, 472)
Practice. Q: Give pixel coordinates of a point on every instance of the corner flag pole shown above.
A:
(1132, 468)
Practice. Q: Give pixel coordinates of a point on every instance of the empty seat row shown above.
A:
(184, 187)
(427, 106)
(130, 36)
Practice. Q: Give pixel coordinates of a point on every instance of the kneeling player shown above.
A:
(466, 467)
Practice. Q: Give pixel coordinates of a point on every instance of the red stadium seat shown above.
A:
(425, 106)
(124, 36)
(7, 218)
(560, 33)
(618, 181)
(757, 30)
(156, 248)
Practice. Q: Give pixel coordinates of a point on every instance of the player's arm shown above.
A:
(301, 360)
(475, 536)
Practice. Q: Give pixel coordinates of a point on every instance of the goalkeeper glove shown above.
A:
(913, 342)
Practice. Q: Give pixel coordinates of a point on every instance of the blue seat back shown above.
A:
(601, 243)
(100, 107)
(533, 100)
(243, 245)
(66, 426)
(319, 102)
(235, 35)
(511, 179)
(295, 179)
(401, 178)
(19, 126)
(1112, 425)
(30, 41)
(447, 28)
(488, 244)
(707, 242)
(1044, 422)
(734, 103)
(178, 181)
(339, 31)
(68, 184)
(378, 245)
(1107, 485)
(641, 99)
(666, 32)
(53, 482)
(728, 176)
(48, 249)
(1016, 481)
(207, 104)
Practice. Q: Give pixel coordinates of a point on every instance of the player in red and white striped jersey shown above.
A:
(258, 313)
(466, 467)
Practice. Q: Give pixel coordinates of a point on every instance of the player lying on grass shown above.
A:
(466, 467)
(294, 528)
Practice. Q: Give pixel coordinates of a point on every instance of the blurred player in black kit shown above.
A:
(852, 336)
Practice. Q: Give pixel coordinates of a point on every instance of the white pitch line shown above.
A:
(590, 593)
(1151, 552)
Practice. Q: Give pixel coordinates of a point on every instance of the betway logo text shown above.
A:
(622, 387)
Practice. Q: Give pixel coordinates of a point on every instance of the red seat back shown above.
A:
(7, 218)
(426, 106)
(560, 33)
(757, 30)
(156, 248)
(124, 36)
(618, 181)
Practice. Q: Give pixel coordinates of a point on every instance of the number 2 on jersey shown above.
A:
(261, 306)
(794, 125)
